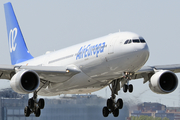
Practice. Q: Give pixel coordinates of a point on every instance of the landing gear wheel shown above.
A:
(125, 88)
(27, 111)
(31, 103)
(119, 103)
(112, 106)
(37, 112)
(105, 111)
(116, 112)
(130, 88)
(110, 103)
(41, 103)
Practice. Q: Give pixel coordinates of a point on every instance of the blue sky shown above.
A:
(52, 25)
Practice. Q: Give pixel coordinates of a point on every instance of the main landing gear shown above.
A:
(113, 106)
(34, 106)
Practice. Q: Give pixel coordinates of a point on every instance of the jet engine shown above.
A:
(163, 82)
(25, 81)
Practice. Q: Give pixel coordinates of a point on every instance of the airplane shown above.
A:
(113, 60)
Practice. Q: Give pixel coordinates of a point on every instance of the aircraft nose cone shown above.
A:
(144, 51)
(142, 47)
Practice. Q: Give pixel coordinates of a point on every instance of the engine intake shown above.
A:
(25, 81)
(163, 82)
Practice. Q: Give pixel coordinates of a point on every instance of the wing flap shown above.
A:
(6, 71)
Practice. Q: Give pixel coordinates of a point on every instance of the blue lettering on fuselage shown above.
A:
(90, 50)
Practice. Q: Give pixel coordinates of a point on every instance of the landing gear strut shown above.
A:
(34, 106)
(113, 106)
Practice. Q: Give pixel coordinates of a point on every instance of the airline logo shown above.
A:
(90, 50)
(12, 39)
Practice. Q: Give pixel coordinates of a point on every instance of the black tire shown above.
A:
(105, 111)
(27, 111)
(41, 103)
(125, 87)
(110, 104)
(119, 103)
(37, 112)
(130, 88)
(116, 112)
(31, 103)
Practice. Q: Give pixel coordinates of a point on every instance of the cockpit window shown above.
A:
(129, 42)
(136, 41)
(126, 42)
(140, 40)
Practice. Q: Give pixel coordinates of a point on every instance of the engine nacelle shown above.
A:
(163, 82)
(25, 81)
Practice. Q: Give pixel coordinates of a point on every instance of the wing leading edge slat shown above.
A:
(147, 71)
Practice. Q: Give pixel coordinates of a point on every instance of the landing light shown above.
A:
(67, 70)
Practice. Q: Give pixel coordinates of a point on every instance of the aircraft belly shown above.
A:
(80, 83)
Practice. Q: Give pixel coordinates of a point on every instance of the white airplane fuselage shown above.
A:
(100, 61)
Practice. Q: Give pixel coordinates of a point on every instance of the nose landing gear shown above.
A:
(127, 86)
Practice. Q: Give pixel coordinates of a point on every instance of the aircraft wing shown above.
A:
(147, 71)
(49, 73)
(6, 71)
